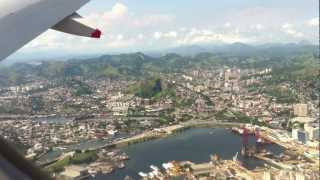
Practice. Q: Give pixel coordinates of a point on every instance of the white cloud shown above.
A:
(313, 22)
(182, 29)
(206, 32)
(289, 29)
(200, 36)
(227, 24)
(260, 15)
(107, 19)
(125, 29)
(257, 27)
(287, 26)
(153, 20)
(171, 34)
(140, 36)
(119, 37)
(294, 33)
(157, 35)
(123, 43)
(119, 10)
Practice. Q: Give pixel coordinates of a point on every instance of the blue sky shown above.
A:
(141, 25)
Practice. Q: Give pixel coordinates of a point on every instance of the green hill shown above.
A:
(147, 88)
(288, 62)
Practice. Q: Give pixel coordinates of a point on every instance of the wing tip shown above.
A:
(96, 34)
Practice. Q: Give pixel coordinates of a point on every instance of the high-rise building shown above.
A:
(300, 110)
(227, 75)
(313, 132)
(267, 175)
(300, 135)
(231, 75)
(300, 176)
(295, 133)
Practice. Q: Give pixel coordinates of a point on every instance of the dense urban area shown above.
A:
(271, 92)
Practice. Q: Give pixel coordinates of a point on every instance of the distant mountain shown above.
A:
(187, 50)
(304, 42)
(236, 49)
(242, 49)
(34, 59)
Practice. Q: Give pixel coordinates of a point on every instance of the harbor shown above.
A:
(246, 148)
(194, 145)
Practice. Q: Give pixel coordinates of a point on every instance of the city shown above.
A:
(159, 90)
(63, 123)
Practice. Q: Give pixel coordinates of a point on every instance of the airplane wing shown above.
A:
(23, 20)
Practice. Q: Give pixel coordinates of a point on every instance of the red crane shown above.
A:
(245, 135)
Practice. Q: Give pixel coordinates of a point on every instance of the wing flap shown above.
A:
(75, 16)
(71, 26)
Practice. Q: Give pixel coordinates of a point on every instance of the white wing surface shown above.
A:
(23, 20)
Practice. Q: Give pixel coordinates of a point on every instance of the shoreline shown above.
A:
(169, 130)
(175, 129)
(157, 133)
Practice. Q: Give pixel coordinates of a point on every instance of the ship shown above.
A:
(235, 157)
(121, 165)
(142, 174)
(155, 168)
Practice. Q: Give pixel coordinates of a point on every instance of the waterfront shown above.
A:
(194, 145)
(52, 119)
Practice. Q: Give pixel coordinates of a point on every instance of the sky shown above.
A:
(145, 25)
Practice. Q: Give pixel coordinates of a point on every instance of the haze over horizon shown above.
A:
(145, 26)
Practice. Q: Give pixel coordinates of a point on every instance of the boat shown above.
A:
(121, 165)
(167, 165)
(155, 168)
(268, 153)
(237, 130)
(235, 157)
(142, 174)
(263, 141)
(107, 170)
(92, 172)
(60, 148)
(124, 156)
(260, 140)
